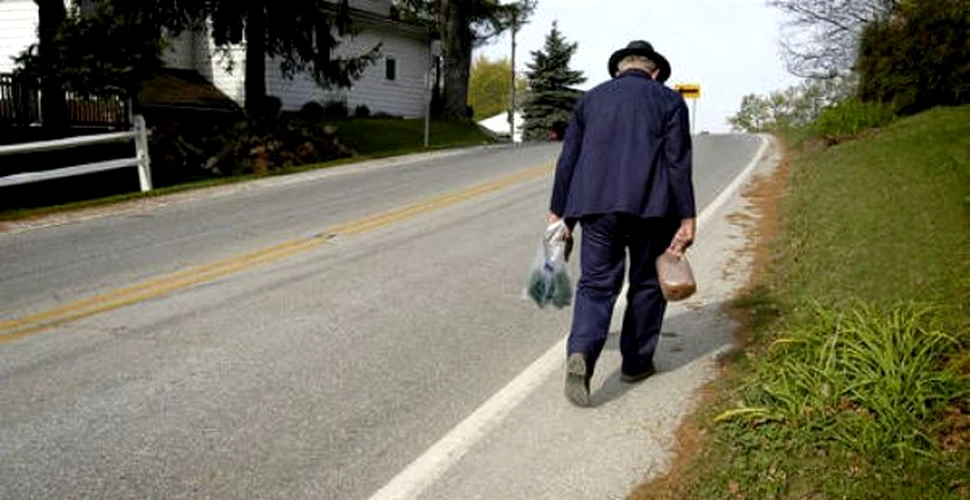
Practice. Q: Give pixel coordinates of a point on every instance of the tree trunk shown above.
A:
(456, 48)
(255, 85)
(436, 89)
(53, 103)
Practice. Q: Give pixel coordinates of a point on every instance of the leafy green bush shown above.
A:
(916, 58)
(848, 119)
(867, 379)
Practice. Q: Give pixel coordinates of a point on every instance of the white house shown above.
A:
(18, 29)
(395, 85)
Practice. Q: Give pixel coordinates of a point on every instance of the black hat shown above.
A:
(641, 48)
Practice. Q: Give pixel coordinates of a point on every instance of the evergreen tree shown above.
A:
(551, 98)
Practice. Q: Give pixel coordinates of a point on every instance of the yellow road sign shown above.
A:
(689, 90)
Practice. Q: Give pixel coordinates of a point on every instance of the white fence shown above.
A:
(139, 134)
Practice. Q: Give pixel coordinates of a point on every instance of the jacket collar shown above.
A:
(635, 72)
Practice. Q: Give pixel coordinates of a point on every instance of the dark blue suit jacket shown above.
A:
(627, 150)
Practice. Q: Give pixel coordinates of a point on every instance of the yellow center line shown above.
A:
(11, 330)
(145, 285)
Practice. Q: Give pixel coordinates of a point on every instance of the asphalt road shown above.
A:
(318, 371)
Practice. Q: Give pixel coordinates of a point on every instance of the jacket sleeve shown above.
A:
(679, 160)
(571, 148)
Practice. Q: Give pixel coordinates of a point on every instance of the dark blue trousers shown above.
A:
(605, 242)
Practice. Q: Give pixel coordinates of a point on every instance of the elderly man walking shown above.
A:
(624, 175)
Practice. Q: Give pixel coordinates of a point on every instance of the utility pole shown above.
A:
(428, 95)
(693, 123)
(515, 29)
(430, 84)
(691, 91)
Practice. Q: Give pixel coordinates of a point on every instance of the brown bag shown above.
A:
(675, 276)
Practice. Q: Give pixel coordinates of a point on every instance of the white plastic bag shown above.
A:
(548, 280)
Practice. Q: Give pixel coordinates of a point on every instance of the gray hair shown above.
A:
(639, 62)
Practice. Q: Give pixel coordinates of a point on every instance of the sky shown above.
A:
(729, 47)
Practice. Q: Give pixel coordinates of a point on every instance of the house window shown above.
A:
(390, 70)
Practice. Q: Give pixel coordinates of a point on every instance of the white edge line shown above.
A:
(434, 462)
(731, 188)
(431, 465)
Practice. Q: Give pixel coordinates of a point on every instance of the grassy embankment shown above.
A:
(854, 380)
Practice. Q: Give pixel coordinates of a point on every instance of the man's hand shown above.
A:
(684, 237)
(567, 235)
(553, 218)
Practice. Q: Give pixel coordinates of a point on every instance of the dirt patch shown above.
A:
(956, 433)
(760, 225)
(690, 433)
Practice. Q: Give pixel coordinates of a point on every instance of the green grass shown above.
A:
(850, 118)
(884, 218)
(858, 366)
(371, 138)
(380, 135)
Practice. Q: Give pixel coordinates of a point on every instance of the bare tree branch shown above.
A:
(824, 34)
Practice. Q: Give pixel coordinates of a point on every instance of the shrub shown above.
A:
(312, 111)
(336, 109)
(255, 145)
(849, 118)
(270, 106)
(362, 111)
(916, 58)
